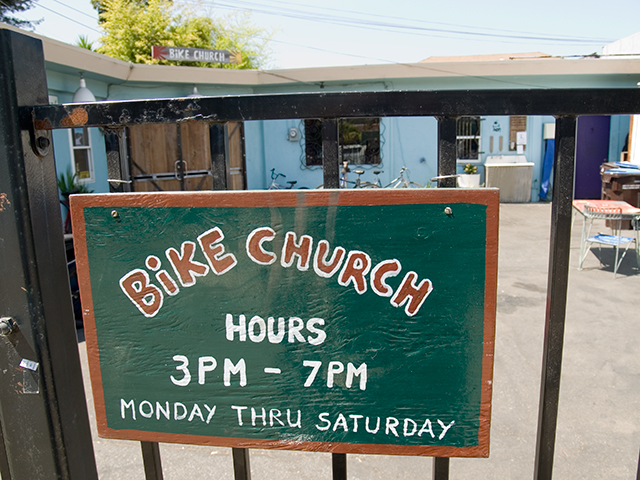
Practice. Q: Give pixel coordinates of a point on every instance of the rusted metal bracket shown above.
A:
(40, 139)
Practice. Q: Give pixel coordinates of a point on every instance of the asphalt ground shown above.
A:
(598, 433)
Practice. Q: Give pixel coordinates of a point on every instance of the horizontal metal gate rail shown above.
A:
(22, 112)
(557, 102)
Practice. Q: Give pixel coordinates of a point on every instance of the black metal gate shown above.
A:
(44, 424)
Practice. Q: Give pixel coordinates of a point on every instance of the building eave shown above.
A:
(70, 59)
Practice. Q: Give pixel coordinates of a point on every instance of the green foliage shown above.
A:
(84, 42)
(349, 133)
(11, 6)
(132, 27)
(68, 184)
(470, 169)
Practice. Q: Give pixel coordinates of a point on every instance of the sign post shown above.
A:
(336, 321)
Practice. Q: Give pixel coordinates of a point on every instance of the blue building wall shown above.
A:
(62, 88)
(406, 141)
(618, 136)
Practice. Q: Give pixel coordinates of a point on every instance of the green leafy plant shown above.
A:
(84, 42)
(68, 184)
(470, 169)
(130, 28)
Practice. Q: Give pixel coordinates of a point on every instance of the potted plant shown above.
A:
(470, 178)
(68, 185)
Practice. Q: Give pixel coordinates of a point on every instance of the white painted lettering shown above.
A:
(186, 378)
(239, 410)
(124, 405)
(295, 326)
(355, 422)
(257, 321)
(444, 428)
(361, 371)
(212, 412)
(166, 411)
(232, 328)
(321, 336)
(254, 416)
(323, 418)
(147, 414)
(231, 369)
(406, 432)
(195, 412)
(334, 369)
(179, 416)
(392, 423)
(315, 365)
(341, 421)
(205, 364)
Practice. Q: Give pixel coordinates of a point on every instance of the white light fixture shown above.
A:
(195, 92)
(83, 94)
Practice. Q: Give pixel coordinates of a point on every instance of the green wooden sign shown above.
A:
(342, 321)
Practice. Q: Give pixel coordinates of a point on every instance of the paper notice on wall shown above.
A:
(521, 138)
(520, 149)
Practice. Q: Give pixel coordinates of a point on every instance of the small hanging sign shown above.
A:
(185, 54)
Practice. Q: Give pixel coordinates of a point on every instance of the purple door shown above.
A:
(592, 150)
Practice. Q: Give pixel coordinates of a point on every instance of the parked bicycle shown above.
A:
(275, 185)
(358, 183)
(401, 181)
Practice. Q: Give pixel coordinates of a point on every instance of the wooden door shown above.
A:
(179, 157)
(235, 155)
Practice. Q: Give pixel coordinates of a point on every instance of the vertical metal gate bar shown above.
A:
(339, 466)
(217, 143)
(447, 152)
(440, 468)
(151, 460)
(330, 154)
(43, 408)
(179, 165)
(125, 165)
(331, 179)
(218, 136)
(241, 466)
(447, 156)
(5, 471)
(563, 174)
(117, 160)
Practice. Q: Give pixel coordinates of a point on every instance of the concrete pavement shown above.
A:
(598, 432)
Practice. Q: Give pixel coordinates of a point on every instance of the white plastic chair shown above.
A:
(616, 240)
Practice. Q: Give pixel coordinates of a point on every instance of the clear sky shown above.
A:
(356, 32)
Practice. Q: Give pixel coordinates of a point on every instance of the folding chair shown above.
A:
(614, 217)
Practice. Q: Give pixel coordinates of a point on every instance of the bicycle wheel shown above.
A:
(413, 185)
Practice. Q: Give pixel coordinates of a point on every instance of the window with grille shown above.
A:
(358, 139)
(468, 138)
(81, 154)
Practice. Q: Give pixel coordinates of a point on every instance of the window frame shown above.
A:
(88, 148)
(477, 137)
(312, 151)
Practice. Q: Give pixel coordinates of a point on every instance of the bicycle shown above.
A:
(275, 185)
(358, 182)
(366, 184)
(400, 181)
